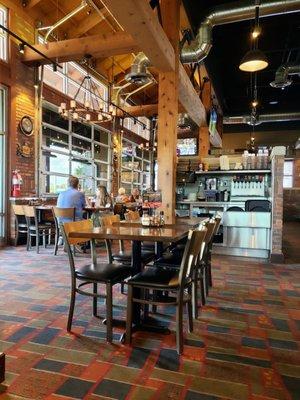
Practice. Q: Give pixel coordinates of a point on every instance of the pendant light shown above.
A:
(254, 60)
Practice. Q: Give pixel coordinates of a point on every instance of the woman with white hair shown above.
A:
(122, 196)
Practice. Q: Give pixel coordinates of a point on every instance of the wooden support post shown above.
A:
(204, 145)
(168, 114)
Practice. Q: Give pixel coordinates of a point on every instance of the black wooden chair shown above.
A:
(36, 229)
(66, 213)
(20, 222)
(92, 274)
(170, 281)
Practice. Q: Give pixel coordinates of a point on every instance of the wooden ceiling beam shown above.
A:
(32, 3)
(138, 19)
(101, 45)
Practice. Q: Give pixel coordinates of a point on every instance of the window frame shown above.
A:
(4, 16)
(291, 161)
(43, 173)
(142, 172)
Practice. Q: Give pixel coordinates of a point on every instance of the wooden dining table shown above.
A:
(137, 234)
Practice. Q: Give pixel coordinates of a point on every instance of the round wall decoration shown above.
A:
(26, 125)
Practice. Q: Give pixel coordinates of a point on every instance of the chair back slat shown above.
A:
(132, 215)
(59, 212)
(192, 251)
(218, 219)
(210, 226)
(69, 227)
(29, 211)
(18, 209)
(109, 220)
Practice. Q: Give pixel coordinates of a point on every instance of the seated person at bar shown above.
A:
(72, 197)
(122, 196)
(135, 196)
(102, 197)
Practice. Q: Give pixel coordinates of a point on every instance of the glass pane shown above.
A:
(82, 129)
(86, 185)
(100, 136)
(102, 171)
(187, 146)
(53, 79)
(146, 167)
(139, 152)
(287, 181)
(54, 162)
(55, 140)
(81, 168)
(146, 155)
(56, 184)
(72, 90)
(53, 118)
(137, 164)
(81, 148)
(146, 180)
(75, 73)
(288, 168)
(100, 153)
(126, 176)
(136, 177)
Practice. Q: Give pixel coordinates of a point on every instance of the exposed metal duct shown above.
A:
(282, 76)
(139, 73)
(65, 18)
(263, 118)
(229, 13)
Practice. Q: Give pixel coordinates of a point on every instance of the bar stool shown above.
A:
(20, 221)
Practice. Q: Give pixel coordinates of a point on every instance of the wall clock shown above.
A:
(26, 125)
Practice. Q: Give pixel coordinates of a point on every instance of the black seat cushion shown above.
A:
(103, 272)
(125, 257)
(156, 278)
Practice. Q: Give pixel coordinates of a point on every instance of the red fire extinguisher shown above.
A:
(16, 183)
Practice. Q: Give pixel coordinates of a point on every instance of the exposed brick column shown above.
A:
(277, 209)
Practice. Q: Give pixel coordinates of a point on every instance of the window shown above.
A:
(135, 167)
(187, 147)
(3, 132)
(288, 170)
(73, 148)
(3, 34)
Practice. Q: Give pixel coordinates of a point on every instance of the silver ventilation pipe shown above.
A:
(139, 73)
(227, 14)
(282, 76)
(263, 118)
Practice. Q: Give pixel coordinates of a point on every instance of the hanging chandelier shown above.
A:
(85, 107)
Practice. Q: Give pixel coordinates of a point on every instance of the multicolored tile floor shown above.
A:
(245, 344)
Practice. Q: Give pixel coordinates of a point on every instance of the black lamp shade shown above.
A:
(254, 60)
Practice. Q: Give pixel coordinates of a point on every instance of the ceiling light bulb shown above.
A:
(75, 116)
(111, 108)
(73, 104)
(63, 106)
(254, 103)
(100, 117)
(88, 117)
(254, 60)
(256, 32)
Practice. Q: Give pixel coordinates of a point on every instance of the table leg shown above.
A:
(137, 267)
(159, 249)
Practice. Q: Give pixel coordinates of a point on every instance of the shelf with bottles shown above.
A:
(234, 172)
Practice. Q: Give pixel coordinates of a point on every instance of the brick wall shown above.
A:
(296, 173)
(22, 103)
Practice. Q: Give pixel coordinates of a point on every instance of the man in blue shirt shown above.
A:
(72, 197)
